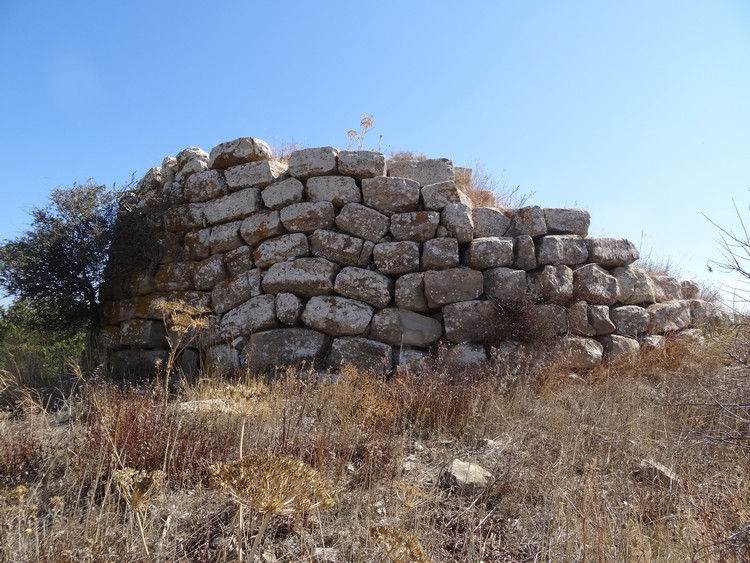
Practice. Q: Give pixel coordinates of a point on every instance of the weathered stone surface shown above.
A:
(524, 253)
(471, 321)
(450, 286)
(561, 249)
(238, 151)
(190, 161)
(576, 352)
(514, 360)
(284, 347)
(636, 286)
(437, 196)
(281, 249)
(546, 321)
(362, 353)
(371, 287)
(619, 348)
(261, 226)
(412, 360)
(398, 327)
(567, 221)
(595, 285)
(598, 316)
(226, 237)
(339, 190)
(489, 252)
(439, 254)
(553, 284)
(337, 316)
(529, 221)
(465, 478)
(197, 244)
(462, 357)
(425, 172)
(578, 319)
(289, 308)
(457, 219)
(255, 315)
(689, 289)
(394, 258)
(652, 343)
(168, 169)
(170, 247)
(320, 161)
(139, 332)
(409, 293)
(709, 316)
(418, 226)
(185, 217)
(254, 175)
(233, 206)
(239, 260)
(305, 277)
(490, 222)
(343, 249)
(505, 284)
(667, 288)
(629, 320)
(209, 272)
(361, 164)
(668, 317)
(176, 276)
(308, 216)
(234, 291)
(280, 194)
(363, 222)
(220, 360)
(610, 252)
(205, 185)
(390, 195)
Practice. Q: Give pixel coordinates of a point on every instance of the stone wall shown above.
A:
(339, 257)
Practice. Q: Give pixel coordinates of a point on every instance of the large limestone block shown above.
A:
(611, 252)
(197, 244)
(598, 316)
(319, 161)
(412, 360)
(143, 333)
(168, 169)
(306, 217)
(462, 358)
(255, 315)
(524, 253)
(284, 347)
(578, 319)
(554, 284)
(471, 321)
(437, 196)
(409, 293)
(709, 316)
(398, 327)
(176, 276)
(516, 360)
(490, 222)
(629, 320)
(546, 321)
(690, 289)
(529, 221)
(339, 190)
(305, 277)
(235, 291)
(254, 175)
(489, 252)
(187, 217)
(361, 164)
(561, 249)
(636, 286)
(337, 316)
(190, 161)
(505, 284)
(450, 286)
(440, 254)
(371, 287)
(239, 260)
(205, 185)
(362, 353)
(280, 194)
(667, 288)
(238, 151)
(209, 272)
(289, 308)
(343, 249)
(233, 206)
(466, 478)
(458, 221)
(594, 284)
(394, 258)
(425, 172)
(567, 221)
(390, 195)
(281, 249)
(261, 226)
(221, 360)
(668, 317)
(418, 226)
(576, 352)
(363, 222)
(619, 348)
(226, 237)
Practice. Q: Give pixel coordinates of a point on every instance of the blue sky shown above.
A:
(637, 111)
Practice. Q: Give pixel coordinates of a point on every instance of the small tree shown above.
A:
(58, 264)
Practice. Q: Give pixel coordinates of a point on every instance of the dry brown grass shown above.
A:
(564, 452)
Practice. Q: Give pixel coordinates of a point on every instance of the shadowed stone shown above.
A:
(404, 328)
(257, 314)
(553, 284)
(362, 353)
(410, 292)
(284, 347)
(234, 291)
(619, 348)
(471, 321)
(337, 316)
(505, 284)
(305, 277)
(289, 308)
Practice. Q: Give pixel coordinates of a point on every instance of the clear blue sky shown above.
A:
(638, 111)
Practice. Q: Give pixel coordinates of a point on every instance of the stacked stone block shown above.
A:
(340, 257)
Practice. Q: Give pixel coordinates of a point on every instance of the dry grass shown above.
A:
(565, 453)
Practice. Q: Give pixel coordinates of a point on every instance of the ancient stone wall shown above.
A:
(339, 257)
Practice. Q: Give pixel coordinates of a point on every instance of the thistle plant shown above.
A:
(274, 485)
(400, 546)
(136, 487)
